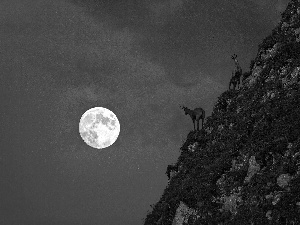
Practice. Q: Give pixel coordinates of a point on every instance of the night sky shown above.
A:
(140, 59)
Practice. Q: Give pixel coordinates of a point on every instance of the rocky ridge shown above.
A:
(243, 167)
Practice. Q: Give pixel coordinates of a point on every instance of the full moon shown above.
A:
(99, 127)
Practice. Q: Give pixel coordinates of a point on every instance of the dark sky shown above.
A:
(140, 59)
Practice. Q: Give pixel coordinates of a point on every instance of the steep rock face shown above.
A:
(243, 167)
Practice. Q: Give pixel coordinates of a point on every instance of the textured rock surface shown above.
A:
(183, 213)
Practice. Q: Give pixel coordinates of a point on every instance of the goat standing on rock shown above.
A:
(236, 75)
(196, 114)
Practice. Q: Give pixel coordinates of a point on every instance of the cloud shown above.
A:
(161, 11)
(14, 11)
(272, 7)
(90, 63)
(63, 38)
(86, 93)
(281, 5)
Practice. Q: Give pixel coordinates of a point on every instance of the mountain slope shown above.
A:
(243, 167)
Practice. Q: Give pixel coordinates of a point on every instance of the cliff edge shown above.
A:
(243, 167)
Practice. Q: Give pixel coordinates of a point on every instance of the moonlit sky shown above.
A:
(140, 59)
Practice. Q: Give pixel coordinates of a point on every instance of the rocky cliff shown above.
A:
(243, 167)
